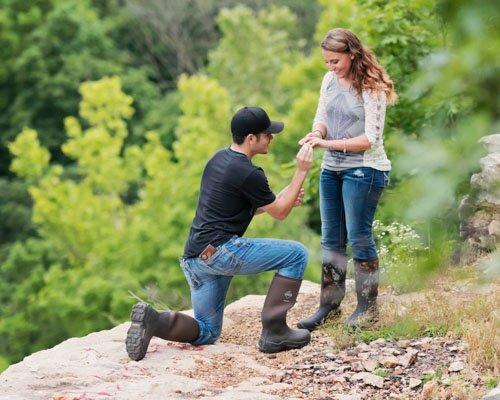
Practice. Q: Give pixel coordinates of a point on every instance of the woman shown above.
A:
(348, 124)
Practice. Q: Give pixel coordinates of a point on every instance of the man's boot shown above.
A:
(367, 277)
(332, 293)
(276, 335)
(168, 325)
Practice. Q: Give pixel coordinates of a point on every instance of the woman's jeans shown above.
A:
(348, 200)
(210, 279)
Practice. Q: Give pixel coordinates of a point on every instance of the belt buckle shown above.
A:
(207, 252)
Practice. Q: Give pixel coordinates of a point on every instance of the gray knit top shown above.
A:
(346, 115)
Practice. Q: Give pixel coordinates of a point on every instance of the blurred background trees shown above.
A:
(110, 109)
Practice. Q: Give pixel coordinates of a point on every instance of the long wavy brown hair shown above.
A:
(366, 72)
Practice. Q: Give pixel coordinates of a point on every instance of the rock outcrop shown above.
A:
(480, 211)
(97, 367)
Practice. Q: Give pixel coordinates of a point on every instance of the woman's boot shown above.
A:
(367, 277)
(276, 335)
(168, 325)
(332, 293)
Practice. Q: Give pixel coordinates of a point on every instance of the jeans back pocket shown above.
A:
(223, 262)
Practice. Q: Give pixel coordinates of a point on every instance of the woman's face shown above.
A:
(338, 63)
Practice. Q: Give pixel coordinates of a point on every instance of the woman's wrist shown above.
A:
(318, 132)
(337, 144)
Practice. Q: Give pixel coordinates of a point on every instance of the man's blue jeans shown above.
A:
(348, 200)
(210, 279)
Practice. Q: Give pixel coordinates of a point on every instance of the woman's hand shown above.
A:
(317, 142)
(310, 135)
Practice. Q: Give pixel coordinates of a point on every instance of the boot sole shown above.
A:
(137, 340)
(282, 346)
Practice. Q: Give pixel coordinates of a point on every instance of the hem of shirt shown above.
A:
(342, 168)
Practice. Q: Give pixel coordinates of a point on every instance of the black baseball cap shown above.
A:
(253, 120)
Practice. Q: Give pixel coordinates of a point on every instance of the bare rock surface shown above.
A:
(480, 211)
(97, 367)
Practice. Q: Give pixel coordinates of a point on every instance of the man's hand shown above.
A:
(305, 158)
(310, 135)
(300, 198)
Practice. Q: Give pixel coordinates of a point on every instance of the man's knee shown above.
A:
(301, 254)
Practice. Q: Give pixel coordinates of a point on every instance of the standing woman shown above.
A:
(349, 123)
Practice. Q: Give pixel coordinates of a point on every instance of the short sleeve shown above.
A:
(256, 189)
(320, 116)
(375, 105)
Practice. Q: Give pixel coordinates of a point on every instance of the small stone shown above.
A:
(463, 346)
(363, 347)
(428, 390)
(398, 370)
(390, 362)
(357, 377)
(370, 365)
(408, 358)
(456, 366)
(357, 367)
(369, 379)
(453, 348)
(414, 383)
(378, 342)
(403, 343)
(374, 380)
(348, 397)
(493, 394)
(424, 343)
(332, 379)
(347, 358)
(303, 367)
(445, 380)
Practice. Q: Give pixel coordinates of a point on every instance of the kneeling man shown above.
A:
(232, 191)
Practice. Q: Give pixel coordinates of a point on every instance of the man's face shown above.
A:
(260, 143)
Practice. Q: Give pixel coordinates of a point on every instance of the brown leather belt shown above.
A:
(207, 252)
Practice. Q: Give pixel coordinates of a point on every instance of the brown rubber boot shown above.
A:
(332, 294)
(276, 335)
(168, 325)
(366, 275)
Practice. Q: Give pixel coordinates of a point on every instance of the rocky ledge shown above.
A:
(97, 367)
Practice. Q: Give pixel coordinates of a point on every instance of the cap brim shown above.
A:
(275, 127)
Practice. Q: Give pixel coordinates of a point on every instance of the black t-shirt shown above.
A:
(232, 189)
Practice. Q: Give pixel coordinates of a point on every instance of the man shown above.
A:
(232, 191)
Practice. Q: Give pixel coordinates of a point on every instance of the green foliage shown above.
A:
(258, 44)
(399, 250)
(456, 84)
(50, 47)
(15, 213)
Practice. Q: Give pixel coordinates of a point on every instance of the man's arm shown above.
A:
(281, 207)
(297, 203)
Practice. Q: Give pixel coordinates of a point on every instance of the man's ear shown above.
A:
(250, 138)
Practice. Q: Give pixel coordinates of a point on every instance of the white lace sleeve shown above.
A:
(321, 110)
(375, 105)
